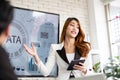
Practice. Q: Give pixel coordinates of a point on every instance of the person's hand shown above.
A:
(31, 51)
(80, 67)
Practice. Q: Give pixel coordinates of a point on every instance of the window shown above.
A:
(114, 28)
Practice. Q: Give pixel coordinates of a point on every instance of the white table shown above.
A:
(94, 76)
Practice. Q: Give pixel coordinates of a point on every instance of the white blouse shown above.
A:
(70, 56)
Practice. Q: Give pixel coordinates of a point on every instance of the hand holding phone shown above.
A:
(75, 62)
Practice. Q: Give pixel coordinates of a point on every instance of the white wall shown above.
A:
(115, 3)
(98, 30)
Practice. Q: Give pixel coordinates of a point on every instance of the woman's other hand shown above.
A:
(80, 67)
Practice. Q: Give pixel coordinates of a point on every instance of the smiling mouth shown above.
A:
(73, 32)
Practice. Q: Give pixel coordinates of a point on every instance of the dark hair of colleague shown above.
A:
(6, 16)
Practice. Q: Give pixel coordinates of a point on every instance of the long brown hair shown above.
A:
(82, 45)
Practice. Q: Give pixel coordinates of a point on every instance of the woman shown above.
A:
(71, 46)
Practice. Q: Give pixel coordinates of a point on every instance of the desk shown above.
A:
(36, 78)
(95, 76)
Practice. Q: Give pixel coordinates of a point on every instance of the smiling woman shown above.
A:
(71, 42)
(72, 29)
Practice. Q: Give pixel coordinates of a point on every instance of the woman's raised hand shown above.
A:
(31, 51)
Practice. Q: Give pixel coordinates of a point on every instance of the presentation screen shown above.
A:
(30, 26)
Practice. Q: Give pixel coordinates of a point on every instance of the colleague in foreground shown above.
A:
(72, 46)
(6, 15)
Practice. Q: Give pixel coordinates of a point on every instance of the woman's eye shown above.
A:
(71, 25)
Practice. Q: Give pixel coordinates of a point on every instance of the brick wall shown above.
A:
(65, 8)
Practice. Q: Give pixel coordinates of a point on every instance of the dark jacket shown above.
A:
(6, 70)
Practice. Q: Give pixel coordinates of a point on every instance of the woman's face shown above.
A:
(72, 29)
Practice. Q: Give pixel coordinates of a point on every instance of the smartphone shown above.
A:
(73, 62)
